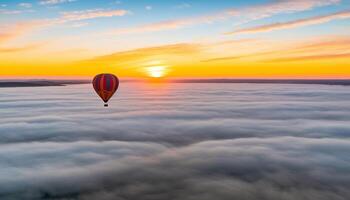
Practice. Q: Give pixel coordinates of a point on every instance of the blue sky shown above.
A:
(153, 11)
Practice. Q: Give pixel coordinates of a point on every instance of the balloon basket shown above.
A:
(106, 105)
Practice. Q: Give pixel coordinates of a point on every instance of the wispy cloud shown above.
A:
(21, 49)
(311, 58)
(167, 25)
(294, 24)
(250, 50)
(22, 8)
(250, 13)
(136, 55)
(83, 15)
(25, 5)
(282, 7)
(89, 14)
(53, 2)
(12, 31)
(228, 58)
(79, 24)
(329, 47)
(183, 6)
(148, 7)
(10, 12)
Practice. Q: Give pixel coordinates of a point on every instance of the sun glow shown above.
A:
(156, 71)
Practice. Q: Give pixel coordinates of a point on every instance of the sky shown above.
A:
(175, 38)
(176, 141)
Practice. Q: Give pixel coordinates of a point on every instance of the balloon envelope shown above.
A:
(105, 85)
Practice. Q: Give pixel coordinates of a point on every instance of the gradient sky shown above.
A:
(181, 38)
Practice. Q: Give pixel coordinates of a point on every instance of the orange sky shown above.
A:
(257, 58)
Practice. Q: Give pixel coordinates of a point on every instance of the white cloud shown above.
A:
(25, 5)
(10, 12)
(90, 14)
(184, 5)
(148, 7)
(78, 25)
(53, 2)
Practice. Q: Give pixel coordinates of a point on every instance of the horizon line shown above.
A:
(175, 78)
(43, 82)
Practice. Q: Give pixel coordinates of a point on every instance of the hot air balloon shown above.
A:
(105, 86)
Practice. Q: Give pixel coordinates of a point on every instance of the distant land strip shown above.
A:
(44, 83)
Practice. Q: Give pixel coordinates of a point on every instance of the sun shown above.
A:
(156, 71)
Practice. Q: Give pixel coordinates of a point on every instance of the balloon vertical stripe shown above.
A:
(108, 82)
(113, 84)
(102, 87)
(97, 83)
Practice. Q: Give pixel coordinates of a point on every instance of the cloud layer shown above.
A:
(176, 141)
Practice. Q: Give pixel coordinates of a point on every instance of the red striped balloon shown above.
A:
(105, 86)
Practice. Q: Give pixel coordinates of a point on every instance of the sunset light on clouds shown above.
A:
(239, 39)
(175, 99)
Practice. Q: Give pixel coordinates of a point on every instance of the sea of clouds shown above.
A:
(176, 141)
